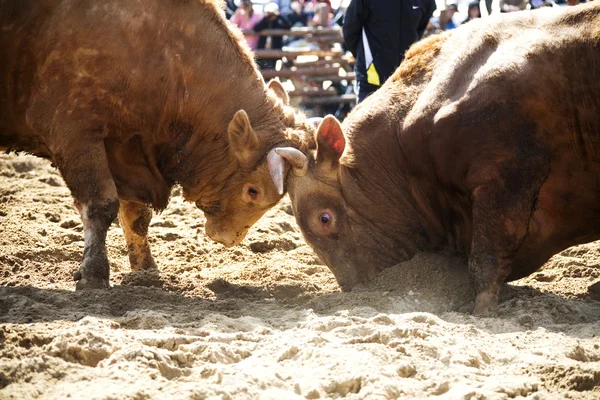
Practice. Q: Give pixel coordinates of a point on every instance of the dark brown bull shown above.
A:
(129, 98)
(486, 141)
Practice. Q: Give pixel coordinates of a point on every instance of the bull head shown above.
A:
(244, 145)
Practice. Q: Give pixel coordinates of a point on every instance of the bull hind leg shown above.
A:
(135, 219)
(84, 168)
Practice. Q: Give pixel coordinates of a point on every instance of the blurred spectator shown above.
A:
(447, 17)
(322, 14)
(297, 17)
(378, 33)
(433, 27)
(444, 21)
(310, 5)
(328, 2)
(512, 5)
(535, 4)
(230, 8)
(271, 20)
(474, 11)
(572, 2)
(284, 6)
(246, 18)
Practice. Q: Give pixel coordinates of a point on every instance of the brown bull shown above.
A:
(129, 98)
(486, 141)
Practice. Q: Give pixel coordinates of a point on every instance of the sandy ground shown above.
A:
(266, 319)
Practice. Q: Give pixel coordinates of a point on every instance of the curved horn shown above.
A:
(296, 158)
(276, 164)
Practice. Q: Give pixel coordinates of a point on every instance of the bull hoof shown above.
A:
(85, 284)
(149, 266)
(485, 305)
(485, 311)
(466, 308)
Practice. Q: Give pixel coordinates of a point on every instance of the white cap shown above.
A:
(272, 8)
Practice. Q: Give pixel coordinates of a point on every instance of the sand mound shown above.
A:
(440, 280)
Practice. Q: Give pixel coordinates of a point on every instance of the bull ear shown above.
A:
(243, 141)
(330, 142)
(276, 86)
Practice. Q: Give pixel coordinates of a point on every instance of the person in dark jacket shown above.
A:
(389, 28)
(473, 12)
(297, 17)
(272, 20)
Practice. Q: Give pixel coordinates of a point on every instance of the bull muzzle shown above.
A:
(227, 238)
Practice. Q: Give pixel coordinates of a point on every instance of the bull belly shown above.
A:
(26, 143)
(18, 136)
(554, 228)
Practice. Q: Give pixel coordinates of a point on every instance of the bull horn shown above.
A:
(296, 158)
(276, 164)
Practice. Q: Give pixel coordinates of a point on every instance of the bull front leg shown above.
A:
(135, 219)
(497, 236)
(501, 215)
(94, 272)
(508, 165)
(84, 167)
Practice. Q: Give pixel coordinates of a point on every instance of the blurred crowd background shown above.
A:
(372, 37)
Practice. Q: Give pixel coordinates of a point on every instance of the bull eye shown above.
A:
(253, 193)
(325, 218)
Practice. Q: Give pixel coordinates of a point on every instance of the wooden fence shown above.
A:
(311, 70)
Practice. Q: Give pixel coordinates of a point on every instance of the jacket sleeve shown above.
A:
(353, 23)
(426, 17)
